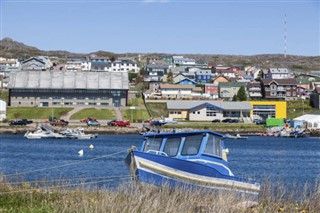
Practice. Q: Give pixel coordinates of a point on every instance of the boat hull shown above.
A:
(160, 170)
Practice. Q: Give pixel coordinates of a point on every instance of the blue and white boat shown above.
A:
(195, 158)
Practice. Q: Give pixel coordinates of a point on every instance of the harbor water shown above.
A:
(292, 160)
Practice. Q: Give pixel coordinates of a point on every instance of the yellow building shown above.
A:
(269, 109)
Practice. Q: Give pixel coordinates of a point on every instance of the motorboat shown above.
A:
(237, 136)
(77, 134)
(196, 158)
(42, 132)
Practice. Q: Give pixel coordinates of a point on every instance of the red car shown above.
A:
(122, 123)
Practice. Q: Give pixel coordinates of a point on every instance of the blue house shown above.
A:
(186, 81)
(203, 76)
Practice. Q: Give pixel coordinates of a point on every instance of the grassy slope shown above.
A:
(158, 109)
(137, 115)
(35, 112)
(299, 107)
(104, 114)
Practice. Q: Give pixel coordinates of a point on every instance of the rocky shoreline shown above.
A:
(127, 130)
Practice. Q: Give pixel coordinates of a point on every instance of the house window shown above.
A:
(288, 87)
(288, 93)
(273, 87)
(273, 93)
(294, 94)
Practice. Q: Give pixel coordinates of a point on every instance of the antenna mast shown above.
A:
(285, 35)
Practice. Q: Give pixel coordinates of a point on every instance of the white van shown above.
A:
(170, 121)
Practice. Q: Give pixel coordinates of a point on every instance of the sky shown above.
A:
(244, 27)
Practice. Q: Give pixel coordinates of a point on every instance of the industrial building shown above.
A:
(58, 88)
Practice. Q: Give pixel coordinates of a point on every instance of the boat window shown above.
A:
(213, 146)
(153, 144)
(172, 146)
(192, 144)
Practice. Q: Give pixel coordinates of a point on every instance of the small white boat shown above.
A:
(77, 134)
(237, 136)
(43, 132)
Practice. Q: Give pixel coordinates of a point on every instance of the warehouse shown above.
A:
(58, 88)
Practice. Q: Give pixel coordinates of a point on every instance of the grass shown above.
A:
(299, 107)
(35, 112)
(131, 197)
(136, 115)
(138, 102)
(219, 127)
(104, 114)
(157, 109)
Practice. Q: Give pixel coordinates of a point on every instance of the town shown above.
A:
(192, 90)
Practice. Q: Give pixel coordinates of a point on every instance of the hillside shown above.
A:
(13, 49)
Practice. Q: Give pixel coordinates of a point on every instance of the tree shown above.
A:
(235, 98)
(170, 76)
(241, 95)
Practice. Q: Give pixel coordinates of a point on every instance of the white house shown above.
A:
(3, 110)
(183, 61)
(179, 91)
(279, 73)
(124, 66)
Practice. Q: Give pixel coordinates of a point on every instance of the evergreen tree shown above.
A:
(235, 98)
(241, 95)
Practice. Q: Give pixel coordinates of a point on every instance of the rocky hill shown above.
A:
(13, 49)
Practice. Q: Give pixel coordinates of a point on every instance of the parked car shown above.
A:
(216, 121)
(93, 123)
(260, 122)
(227, 120)
(158, 122)
(85, 120)
(122, 123)
(234, 121)
(27, 121)
(18, 123)
(112, 123)
(59, 123)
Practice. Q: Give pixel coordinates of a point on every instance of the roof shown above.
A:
(157, 66)
(308, 117)
(290, 81)
(231, 84)
(69, 80)
(278, 70)
(220, 104)
(175, 86)
(302, 81)
(33, 58)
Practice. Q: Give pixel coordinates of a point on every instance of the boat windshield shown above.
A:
(172, 146)
(192, 144)
(153, 144)
(213, 146)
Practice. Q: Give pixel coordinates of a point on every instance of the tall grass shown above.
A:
(133, 197)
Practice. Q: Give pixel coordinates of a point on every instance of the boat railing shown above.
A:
(157, 152)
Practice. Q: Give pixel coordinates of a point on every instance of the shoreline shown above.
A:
(131, 130)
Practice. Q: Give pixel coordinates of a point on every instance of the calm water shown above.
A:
(292, 160)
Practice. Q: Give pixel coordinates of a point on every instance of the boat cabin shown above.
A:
(190, 145)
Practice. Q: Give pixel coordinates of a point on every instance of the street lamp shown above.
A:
(51, 106)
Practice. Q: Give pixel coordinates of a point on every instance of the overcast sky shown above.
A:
(167, 26)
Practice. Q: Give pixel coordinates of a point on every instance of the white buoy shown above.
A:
(91, 146)
(81, 152)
